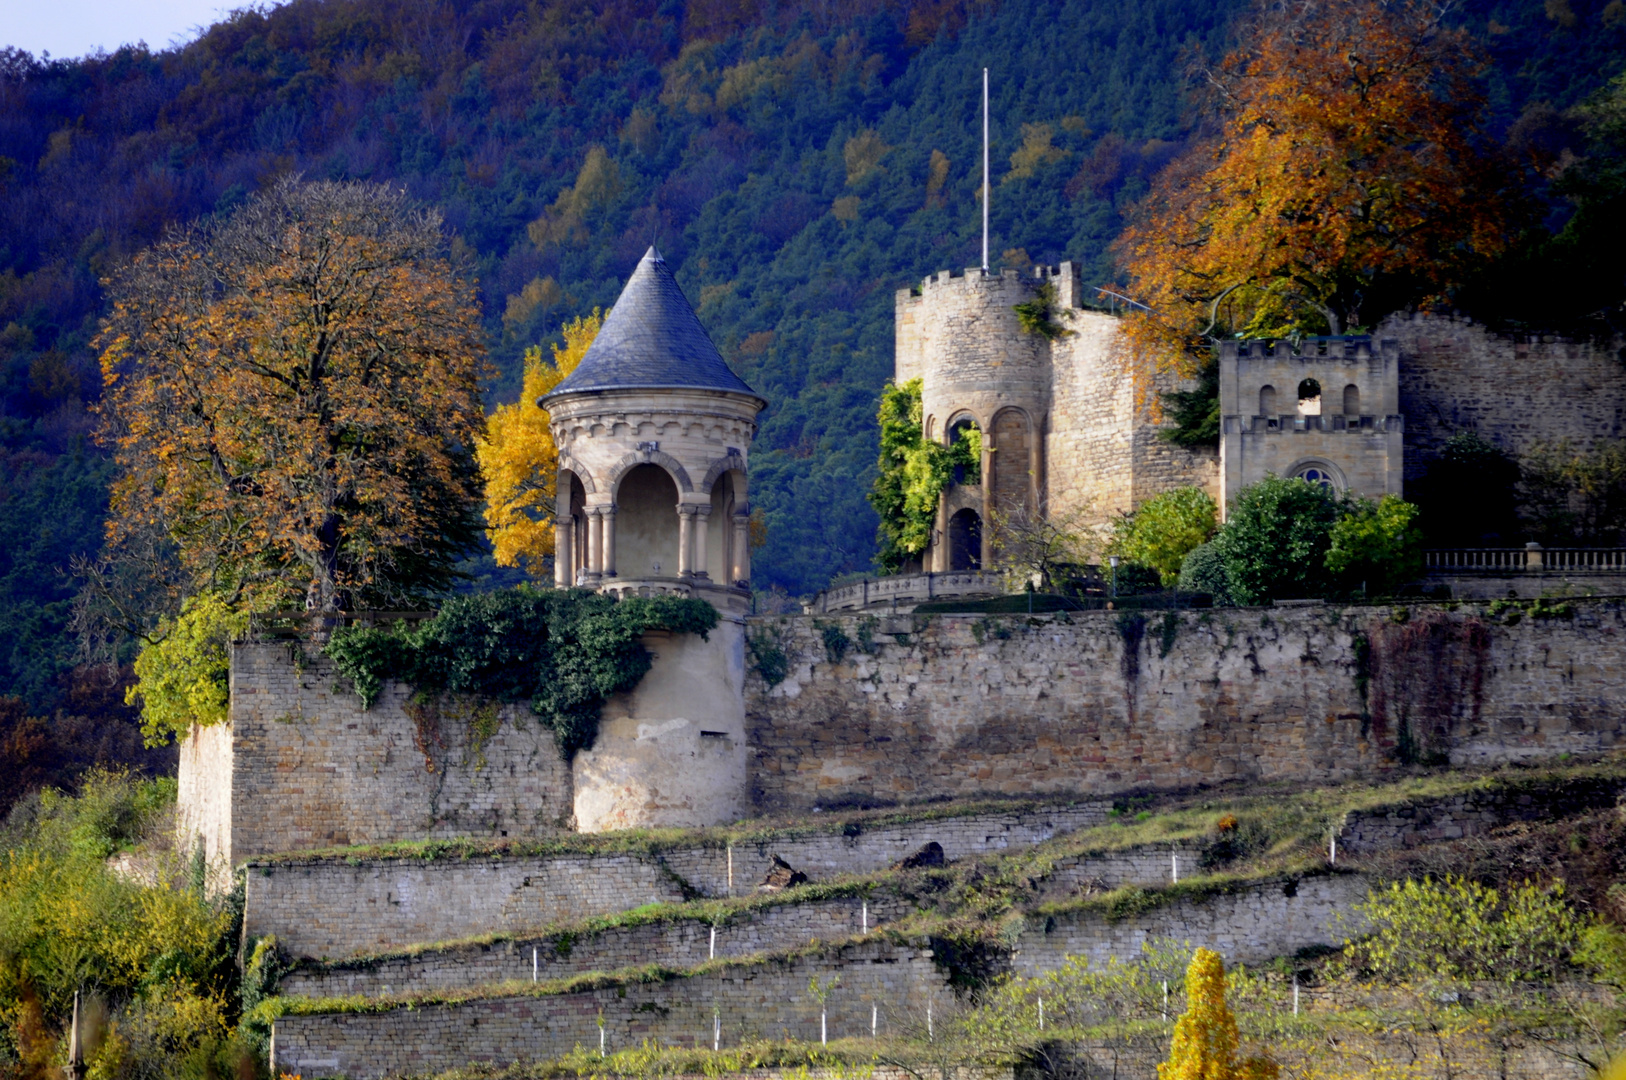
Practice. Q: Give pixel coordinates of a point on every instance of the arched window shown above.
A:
(1267, 401)
(1352, 400)
(965, 540)
(1309, 398)
(1319, 473)
(961, 430)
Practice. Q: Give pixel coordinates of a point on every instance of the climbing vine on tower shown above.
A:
(564, 651)
(912, 473)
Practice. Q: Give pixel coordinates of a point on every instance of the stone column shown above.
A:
(702, 525)
(741, 571)
(564, 559)
(595, 541)
(685, 527)
(609, 541)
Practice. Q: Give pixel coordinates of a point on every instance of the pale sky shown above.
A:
(71, 28)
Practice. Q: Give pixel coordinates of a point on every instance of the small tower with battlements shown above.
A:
(1326, 410)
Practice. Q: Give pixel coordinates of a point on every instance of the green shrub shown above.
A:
(181, 676)
(1203, 571)
(1165, 529)
(563, 650)
(1275, 541)
(1376, 546)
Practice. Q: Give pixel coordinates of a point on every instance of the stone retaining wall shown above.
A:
(1472, 813)
(864, 850)
(677, 944)
(1251, 924)
(1153, 864)
(966, 706)
(769, 1000)
(336, 907)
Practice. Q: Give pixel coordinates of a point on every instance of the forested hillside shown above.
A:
(796, 163)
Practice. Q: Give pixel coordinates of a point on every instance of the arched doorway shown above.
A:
(646, 524)
(965, 540)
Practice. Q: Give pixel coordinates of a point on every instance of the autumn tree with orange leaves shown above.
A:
(519, 459)
(291, 395)
(1344, 183)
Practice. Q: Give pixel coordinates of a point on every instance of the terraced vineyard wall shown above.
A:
(339, 907)
(972, 706)
(757, 1001)
(1244, 925)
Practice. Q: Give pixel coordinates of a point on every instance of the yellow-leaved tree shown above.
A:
(1205, 1038)
(519, 461)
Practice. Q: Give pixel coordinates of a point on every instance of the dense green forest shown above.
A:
(796, 163)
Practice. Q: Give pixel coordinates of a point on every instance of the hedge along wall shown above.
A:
(970, 706)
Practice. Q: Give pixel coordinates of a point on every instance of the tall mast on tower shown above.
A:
(985, 190)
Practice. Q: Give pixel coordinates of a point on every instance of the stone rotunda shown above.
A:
(654, 432)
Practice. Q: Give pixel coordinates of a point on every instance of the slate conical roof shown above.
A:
(651, 339)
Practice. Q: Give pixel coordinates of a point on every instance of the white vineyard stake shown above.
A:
(1295, 993)
(1332, 849)
(716, 1031)
(713, 954)
(1174, 866)
(929, 1035)
(1165, 999)
(533, 963)
(866, 916)
(874, 1015)
(1041, 1014)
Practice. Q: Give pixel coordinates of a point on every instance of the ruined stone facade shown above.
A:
(1065, 432)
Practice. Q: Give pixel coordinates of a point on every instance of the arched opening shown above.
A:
(965, 540)
(965, 430)
(1011, 463)
(573, 509)
(1352, 400)
(646, 523)
(1309, 398)
(723, 536)
(1267, 401)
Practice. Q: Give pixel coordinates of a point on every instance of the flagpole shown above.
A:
(985, 191)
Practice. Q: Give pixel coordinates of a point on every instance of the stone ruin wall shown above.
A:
(968, 706)
(309, 768)
(947, 706)
(1456, 375)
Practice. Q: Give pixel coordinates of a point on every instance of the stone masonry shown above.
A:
(345, 906)
(1248, 925)
(671, 943)
(752, 1001)
(969, 706)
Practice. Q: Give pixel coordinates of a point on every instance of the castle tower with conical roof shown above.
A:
(654, 434)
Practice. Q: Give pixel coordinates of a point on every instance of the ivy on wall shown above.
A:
(564, 651)
(912, 473)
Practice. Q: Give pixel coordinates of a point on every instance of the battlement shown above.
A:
(1064, 276)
